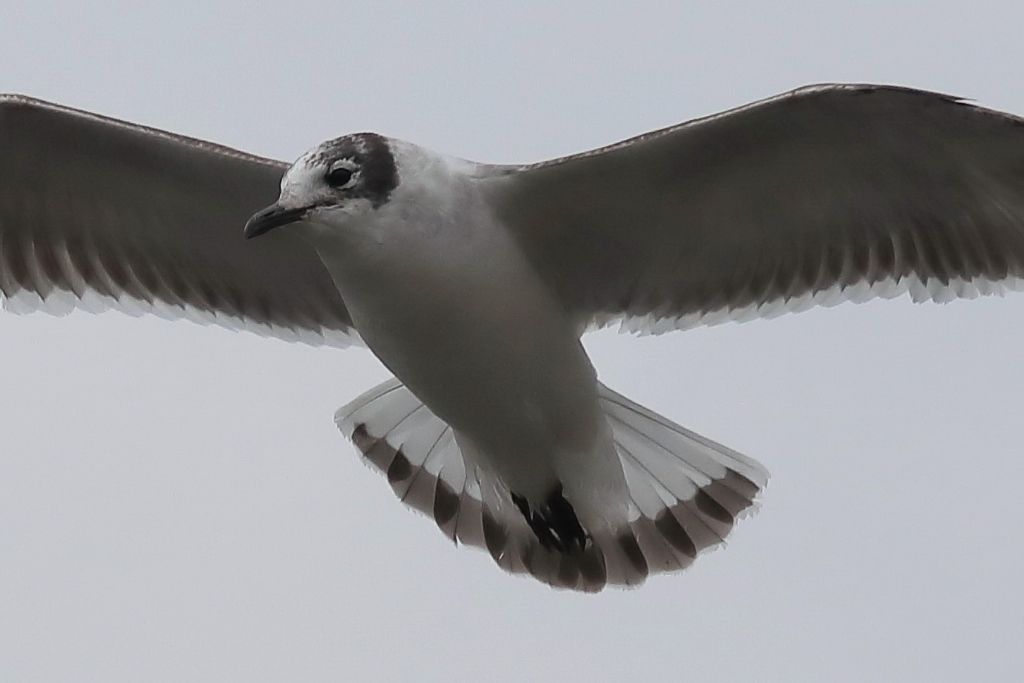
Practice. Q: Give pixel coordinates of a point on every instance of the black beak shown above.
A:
(274, 216)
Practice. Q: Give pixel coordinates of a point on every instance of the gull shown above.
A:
(473, 284)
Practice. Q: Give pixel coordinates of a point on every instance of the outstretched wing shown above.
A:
(824, 194)
(98, 213)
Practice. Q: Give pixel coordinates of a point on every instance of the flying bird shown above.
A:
(473, 284)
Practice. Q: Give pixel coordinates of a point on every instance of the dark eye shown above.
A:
(339, 176)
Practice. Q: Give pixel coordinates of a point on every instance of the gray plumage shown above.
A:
(473, 282)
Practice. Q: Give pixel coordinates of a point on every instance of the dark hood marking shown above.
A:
(372, 154)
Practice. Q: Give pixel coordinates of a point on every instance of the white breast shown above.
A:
(445, 298)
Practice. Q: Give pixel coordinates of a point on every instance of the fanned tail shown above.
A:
(685, 492)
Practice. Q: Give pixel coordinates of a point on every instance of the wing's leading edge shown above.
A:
(98, 213)
(824, 194)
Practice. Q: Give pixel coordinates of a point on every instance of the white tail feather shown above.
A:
(685, 491)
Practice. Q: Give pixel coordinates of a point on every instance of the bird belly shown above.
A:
(479, 339)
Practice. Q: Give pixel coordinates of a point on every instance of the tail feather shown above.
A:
(685, 491)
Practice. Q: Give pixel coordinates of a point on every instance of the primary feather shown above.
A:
(96, 213)
(824, 194)
(472, 282)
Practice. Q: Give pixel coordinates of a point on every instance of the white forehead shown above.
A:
(418, 168)
(304, 171)
(307, 171)
(303, 178)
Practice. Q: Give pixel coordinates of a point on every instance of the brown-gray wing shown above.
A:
(98, 213)
(824, 194)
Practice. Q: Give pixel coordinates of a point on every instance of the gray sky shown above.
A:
(176, 503)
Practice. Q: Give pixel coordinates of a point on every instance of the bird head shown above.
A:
(337, 180)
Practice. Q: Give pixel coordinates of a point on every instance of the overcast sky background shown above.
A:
(176, 503)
